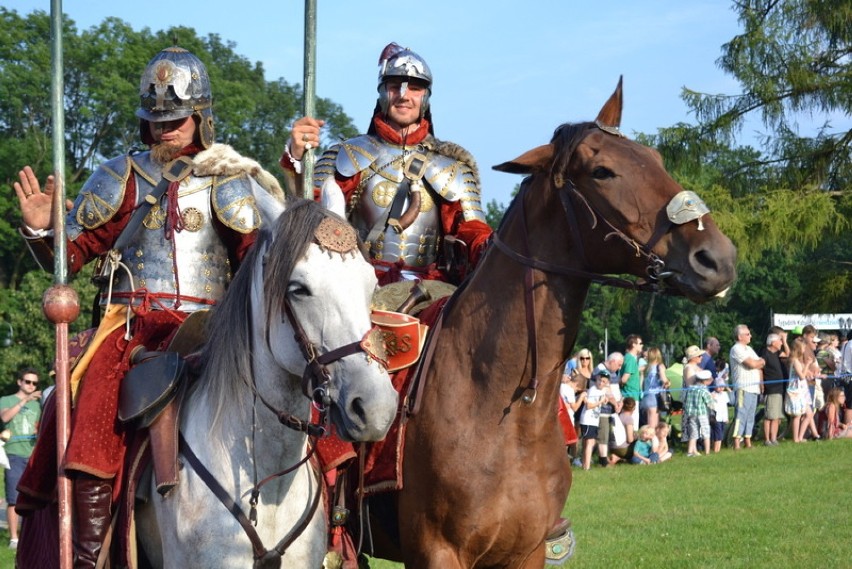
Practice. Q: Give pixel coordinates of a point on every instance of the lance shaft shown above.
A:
(60, 303)
(309, 105)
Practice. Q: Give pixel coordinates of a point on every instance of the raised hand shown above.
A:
(36, 204)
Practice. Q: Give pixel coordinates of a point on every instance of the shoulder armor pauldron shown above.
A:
(325, 167)
(234, 202)
(451, 172)
(101, 195)
(357, 154)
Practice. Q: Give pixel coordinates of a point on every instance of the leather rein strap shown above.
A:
(655, 266)
(316, 374)
(263, 558)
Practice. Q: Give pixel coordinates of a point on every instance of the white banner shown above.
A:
(818, 321)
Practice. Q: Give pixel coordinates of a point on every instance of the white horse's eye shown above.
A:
(298, 289)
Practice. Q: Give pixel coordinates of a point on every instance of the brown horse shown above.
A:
(485, 474)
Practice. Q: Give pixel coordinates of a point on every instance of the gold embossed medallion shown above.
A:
(155, 219)
(192, 218)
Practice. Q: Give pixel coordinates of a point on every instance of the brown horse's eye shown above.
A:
(601, 173)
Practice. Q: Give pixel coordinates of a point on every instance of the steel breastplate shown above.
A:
(417, 245)
(194, 264)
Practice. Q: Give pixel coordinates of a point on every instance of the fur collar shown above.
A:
(222, 160)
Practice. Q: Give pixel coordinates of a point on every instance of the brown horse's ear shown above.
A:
(610, 114)
(530, 161)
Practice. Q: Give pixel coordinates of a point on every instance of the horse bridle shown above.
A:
(315, 381)
(684, 207)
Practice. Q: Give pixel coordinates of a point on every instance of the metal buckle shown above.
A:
(178, 169)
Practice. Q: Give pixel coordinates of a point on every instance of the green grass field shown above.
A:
(784, 506)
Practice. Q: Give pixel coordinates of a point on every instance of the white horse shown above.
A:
(307, 263)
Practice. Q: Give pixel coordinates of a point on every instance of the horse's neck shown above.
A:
(246, 430)
(492, 311)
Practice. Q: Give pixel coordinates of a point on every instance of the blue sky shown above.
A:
(506, 72)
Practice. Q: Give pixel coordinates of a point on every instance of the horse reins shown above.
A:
(655, 268)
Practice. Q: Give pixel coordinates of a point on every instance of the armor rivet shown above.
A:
(420, 260)
(140, 266)
(142, 283)
(139, 252)
(377, 256)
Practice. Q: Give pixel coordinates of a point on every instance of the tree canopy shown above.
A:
(785, 203)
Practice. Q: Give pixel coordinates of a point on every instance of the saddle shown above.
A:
(152, 393)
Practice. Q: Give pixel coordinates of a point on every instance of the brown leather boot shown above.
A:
(92, 515)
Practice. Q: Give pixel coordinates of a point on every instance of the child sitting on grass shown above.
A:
(620, 448)
(643, 452)
(661, 442)
(830, 425)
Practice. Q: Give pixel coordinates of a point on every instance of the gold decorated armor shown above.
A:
(381, 166)
(196, 264)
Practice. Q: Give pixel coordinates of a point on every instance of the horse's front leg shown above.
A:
(439, 557)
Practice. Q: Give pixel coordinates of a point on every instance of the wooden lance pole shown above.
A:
(309, 106)
(60, 302)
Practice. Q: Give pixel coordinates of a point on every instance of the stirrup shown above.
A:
(559, 545)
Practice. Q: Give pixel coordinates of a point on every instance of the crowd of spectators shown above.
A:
(624, 413)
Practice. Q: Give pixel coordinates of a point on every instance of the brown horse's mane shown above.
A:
(565, 140)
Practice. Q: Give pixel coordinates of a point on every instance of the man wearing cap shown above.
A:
(414, 199)
(745, 374)
(170, 225)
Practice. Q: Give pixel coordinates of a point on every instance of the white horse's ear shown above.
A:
(269, 207)
(331, 197)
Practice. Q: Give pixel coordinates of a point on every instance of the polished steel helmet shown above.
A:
(175, 85)
(400, 62)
